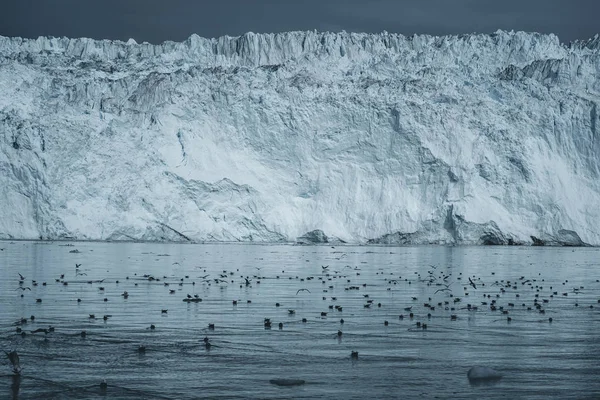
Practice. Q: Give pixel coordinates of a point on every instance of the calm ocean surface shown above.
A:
(538, 359)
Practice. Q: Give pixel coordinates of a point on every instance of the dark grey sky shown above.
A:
(158, 20)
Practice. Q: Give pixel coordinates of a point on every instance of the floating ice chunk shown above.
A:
(287, 382)
(477, 374)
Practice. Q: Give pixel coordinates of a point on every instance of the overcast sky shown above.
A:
(159, 20)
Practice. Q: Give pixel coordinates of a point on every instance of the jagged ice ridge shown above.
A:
(361, 138)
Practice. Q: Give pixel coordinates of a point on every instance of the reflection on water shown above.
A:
(537, 358)
(15, 385)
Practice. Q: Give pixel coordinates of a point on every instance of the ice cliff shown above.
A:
(360, 138)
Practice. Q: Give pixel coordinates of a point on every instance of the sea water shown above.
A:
(538, 359)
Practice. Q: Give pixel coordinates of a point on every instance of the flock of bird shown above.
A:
(343, 293)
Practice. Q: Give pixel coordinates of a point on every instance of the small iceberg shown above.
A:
(287, 382)
(483, 374)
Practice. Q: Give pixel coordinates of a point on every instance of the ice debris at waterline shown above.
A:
(480, 374)
(379, 138)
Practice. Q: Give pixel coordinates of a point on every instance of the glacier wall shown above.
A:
(362, 138)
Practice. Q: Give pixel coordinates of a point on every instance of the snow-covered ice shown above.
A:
(378, 138)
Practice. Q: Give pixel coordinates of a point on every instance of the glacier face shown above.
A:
(360, 138)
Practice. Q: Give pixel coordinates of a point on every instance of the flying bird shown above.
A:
(472, 283)
(302, 290)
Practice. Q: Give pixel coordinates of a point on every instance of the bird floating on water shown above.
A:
(13, 357)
